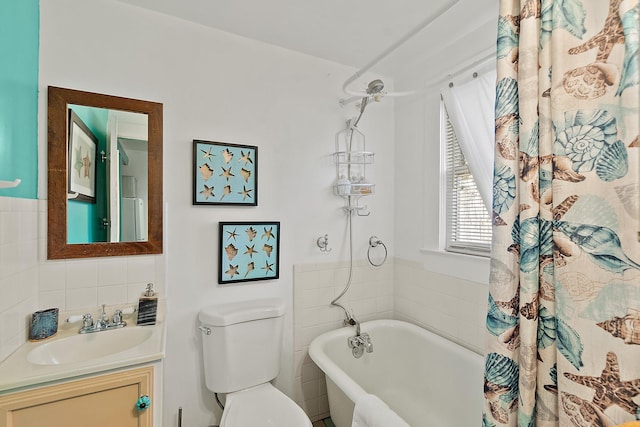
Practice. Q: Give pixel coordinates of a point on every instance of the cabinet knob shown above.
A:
(143, 403)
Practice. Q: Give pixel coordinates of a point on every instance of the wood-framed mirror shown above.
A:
(104, 175)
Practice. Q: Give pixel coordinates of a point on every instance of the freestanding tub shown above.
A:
(426, 379)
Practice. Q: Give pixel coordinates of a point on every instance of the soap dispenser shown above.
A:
(148, 307)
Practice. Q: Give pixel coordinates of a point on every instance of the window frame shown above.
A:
(467, 247)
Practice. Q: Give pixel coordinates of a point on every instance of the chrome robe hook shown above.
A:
(323, 243)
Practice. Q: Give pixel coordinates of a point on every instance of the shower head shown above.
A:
(374, 92)
(375, 87)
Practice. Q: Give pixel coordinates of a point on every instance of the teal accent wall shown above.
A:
(84, 219)
(19, 49)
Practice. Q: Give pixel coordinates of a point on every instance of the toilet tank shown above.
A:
(244, 344)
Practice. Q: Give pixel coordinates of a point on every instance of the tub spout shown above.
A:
(365, 341)
(368, 346)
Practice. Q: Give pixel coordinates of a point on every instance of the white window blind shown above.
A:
(467, 221)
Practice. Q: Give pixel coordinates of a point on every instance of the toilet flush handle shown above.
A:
(205, 330)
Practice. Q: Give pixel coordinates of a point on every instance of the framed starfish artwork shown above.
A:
(82, 148)
(224, 174)
(249, 251)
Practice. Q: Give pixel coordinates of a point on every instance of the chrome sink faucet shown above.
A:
(101, 324)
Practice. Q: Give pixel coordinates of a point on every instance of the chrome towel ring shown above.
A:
(374, 242)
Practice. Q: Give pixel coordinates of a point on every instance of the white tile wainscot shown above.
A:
(18, 270)
(449, 306)
(370, 296)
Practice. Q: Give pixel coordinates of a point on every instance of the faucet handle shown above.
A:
(75, 318)
(87, 320)
(117, 317)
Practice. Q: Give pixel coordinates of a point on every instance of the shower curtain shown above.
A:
(563, 317)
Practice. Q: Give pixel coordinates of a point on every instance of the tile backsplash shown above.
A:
(80, 284)
(29, 282)
(18, 270)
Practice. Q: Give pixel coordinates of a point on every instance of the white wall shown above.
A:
(438, 290)
(218, 87)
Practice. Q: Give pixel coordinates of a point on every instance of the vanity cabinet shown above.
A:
(98, 401)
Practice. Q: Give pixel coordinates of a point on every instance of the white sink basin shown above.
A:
(86, 347)
(69, 354)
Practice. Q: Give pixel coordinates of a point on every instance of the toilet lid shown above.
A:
(263, 406)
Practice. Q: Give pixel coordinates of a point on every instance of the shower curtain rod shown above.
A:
(484, 58)
(439, 12)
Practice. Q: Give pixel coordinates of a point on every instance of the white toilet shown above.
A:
(241, 346)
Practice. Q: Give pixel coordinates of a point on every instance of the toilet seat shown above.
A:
(264, 406)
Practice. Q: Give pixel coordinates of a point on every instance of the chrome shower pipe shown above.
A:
(439, 12)
(355, 122)
(348, 317)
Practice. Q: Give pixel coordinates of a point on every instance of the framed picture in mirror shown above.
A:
(82, 160)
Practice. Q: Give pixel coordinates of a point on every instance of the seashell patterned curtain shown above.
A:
(563, 320)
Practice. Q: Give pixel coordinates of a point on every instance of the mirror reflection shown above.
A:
(108, 175)
(104, 175)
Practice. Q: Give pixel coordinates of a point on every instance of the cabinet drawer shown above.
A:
(100, 401)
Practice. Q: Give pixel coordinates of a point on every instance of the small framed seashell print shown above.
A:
(82, 149)
(224, 174)
(248, 251)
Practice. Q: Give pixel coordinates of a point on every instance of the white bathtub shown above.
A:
(426, 379)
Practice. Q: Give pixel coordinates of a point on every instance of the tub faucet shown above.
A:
(359, 344)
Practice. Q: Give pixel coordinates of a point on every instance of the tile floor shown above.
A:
(324, 423)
